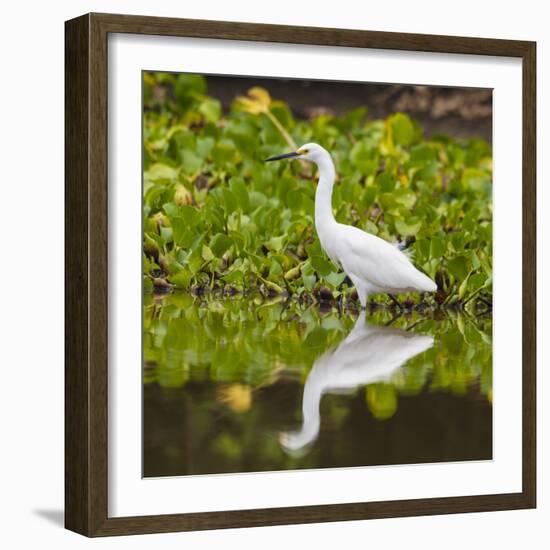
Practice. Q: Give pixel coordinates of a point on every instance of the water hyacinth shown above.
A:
(217, 218)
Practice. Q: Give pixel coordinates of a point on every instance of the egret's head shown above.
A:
(309, 151)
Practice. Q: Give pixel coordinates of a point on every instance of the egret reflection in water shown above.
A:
(369, 354)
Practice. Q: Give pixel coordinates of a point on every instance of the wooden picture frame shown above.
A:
(86, 278)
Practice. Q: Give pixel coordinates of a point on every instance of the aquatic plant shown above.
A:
(216, 217)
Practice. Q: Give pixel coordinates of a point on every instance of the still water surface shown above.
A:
(247, 386)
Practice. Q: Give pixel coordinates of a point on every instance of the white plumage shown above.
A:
(373, 264)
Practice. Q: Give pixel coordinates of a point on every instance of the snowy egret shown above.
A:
(368, 354)
(373, 264)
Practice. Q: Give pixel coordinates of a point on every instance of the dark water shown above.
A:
(243, 386)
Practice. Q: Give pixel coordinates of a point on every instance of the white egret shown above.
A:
(368, 354)
(373, 264)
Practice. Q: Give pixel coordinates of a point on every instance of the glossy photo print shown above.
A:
(317, 274)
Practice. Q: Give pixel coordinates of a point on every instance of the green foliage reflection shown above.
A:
(243, 347)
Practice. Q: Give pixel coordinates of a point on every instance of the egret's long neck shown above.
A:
(324, 217)
(311, 400)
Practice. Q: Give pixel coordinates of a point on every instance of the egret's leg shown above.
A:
(396, 301)
(363, 296)
(362, 290)
(394, 318)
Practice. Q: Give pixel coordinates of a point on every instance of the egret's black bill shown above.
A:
(285, 156)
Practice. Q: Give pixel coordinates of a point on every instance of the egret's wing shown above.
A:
(378, 262)
(376, 356)
(402, 247)
(368, 353)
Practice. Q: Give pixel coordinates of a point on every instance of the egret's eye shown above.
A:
(304, 151)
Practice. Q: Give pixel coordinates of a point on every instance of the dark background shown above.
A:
(429, 427)
(459, 112)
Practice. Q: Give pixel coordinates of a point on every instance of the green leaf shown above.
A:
(314, 249)
(224, 152)
(335, 279)
(238, 188)
(332, 322)
(257, 199)
(294, 199)
(364, 157)
(322, 266)
(147, 284)
(458, 267)
(181, 279)
(188, 214)
(191, 162)
(422, 248)
(206, 253)
(181, 233)
(166, 234)
(211, 109)
(204, 146)
(187, 88)
(463, 287)
(308, 275)
(275, 269)
(423, 154)
(276, 243)
(160, 171)
(437, 247)
(386, 182)
(219, 244)
(476, 180)
(235, 276)
(405, 197)
(409, 228)
(230, 201)
(382, 400)
(402, 129)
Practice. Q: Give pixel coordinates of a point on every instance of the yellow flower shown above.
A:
(237, 397)
(258, 101)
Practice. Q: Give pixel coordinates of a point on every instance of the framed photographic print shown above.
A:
(300, 275)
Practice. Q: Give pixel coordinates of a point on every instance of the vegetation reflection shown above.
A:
(243, 349)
